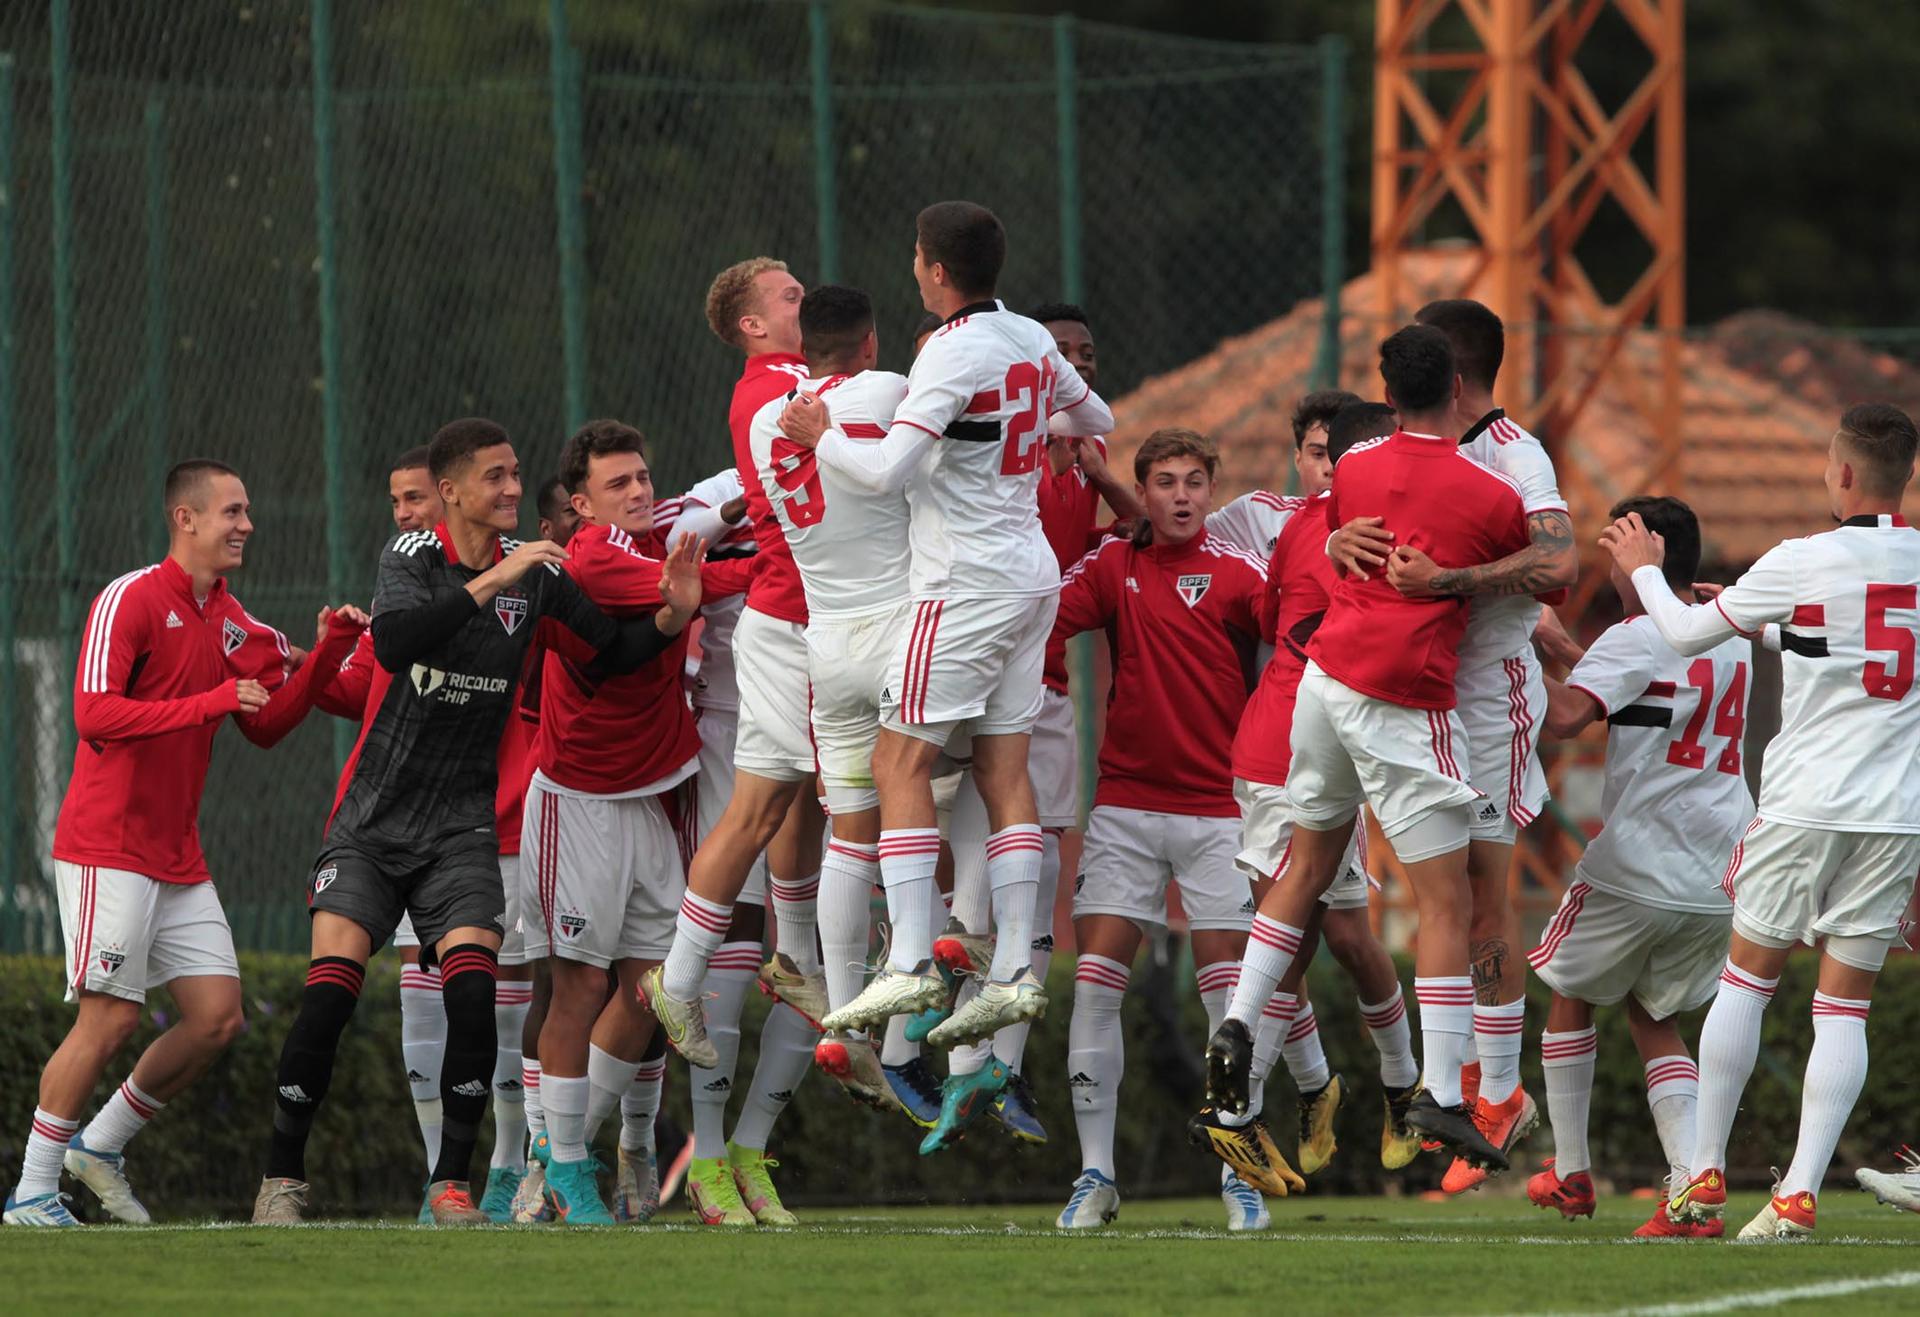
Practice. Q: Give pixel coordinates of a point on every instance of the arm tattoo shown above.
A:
(1489, 963)
(1548, 563)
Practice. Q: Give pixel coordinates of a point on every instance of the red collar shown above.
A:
(453, 554)
(766, 361)
(178, 580)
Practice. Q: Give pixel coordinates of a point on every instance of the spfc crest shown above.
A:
(572, 924)
(511, 609)
(110, 961)
(324, 879)
(232, 636)
(1193, 588)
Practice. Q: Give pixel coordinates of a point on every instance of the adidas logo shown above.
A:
(472, 1088)
(1080, 1079)
(1043, 943)
(720, 1085)
(1246, 907)
(173, 620)
(415, 1077)
(294, 1093)
(508, 1086)
(1489, 812)
(781, 1098)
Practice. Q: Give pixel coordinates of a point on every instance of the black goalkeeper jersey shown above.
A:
(425, 765)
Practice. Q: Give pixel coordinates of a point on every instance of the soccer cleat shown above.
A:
(753, 1178)
(1399, 1144)
(1661, 1225)
(892, 992)
(1703, 1199)
(1469, 1094)
(424, 1217)
(51, 1210)
(683, 1022)
(1014, 1109)
(854, 1064)
(636, 1187)
(452, 1204)
(1095, 1202)
(574, 1190)
(1786, 1217)
(531, 1206)
(1894, 1188)
(1453, 1127)
(992, 1009)
(1504, 1125)
(963, 1100)
(1246, 1209)
(712, 1195)
(281, 1202)
(1571, 1197)
(503, 1182)
(1229, 1065)
(1316, 1125)
(675, 1174)
(106, 1174)
(783, 981)
(1248, 1150)
(917, 1089)
(959, 952)
(922, 1023)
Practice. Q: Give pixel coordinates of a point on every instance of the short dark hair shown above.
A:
(454, 444)
(187, 481)
(1417, 364)
(834, 320)
(1674, 522)
(1356, 423)
(596, 439)
(553, 497)
(1318, 408)
(968, 240)
(1479, 339)
(1166, 444)
(1049, 312)
(414, 459)
(1883, 440)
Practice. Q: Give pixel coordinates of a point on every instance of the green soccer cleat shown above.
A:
(713, 1196)
(752, 1177)
(963, 1100)
(497, 1202)
(575, 1191)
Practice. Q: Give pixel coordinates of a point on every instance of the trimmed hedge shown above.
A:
(204, 1153)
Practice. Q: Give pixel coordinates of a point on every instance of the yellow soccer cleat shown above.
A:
(1248, 1149)
(713, 1196)
(751, 1176)
(1316, 1126)
(1399, 1143)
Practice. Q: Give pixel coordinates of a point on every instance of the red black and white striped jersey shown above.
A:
(1500, 627)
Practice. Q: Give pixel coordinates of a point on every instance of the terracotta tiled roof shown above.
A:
(1761, 394)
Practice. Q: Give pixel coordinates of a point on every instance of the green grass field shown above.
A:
(1381, 1255)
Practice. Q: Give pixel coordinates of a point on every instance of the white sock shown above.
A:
(1013, 872)
(907, 860)
(530, 1089)
(698, 932)
(847, 876)
(1010, 1044)
(1566, 1059)
(1387, 1026)
(786, 1054)
(1836, 1071)
(895, 1049)
(1673, 1093)
(641, 1104)
(1306, 1058)
(1269, 1036)
(1096, 1056)
(608, 1078)
(1446, 1027)
(423, 1042)
(511, 1002)
(1215, 982)
(729, 977)
(46, 1150)
(795, 907)
(566, 1098)
(1270, 950)
(1729, 1044)
(1497, 1034)
(125, 1115)
(967, 828)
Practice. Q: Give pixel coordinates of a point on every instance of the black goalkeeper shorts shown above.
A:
(458, 885)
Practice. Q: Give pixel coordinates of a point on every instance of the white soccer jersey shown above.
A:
(1676, 799)
(714, 683)
(1847, 758)
(849, 541)
(1501, 626)
(1254, 521)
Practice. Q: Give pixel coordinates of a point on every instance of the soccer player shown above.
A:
(1501, 705)
(1375, 720)
(1833, 851)
(603, 869)
(1254, 520)
(1644, 919)
(456, 610)
(1181, 608)
(558, 520)
(168, 653)
(970, 439)
(1300, 584)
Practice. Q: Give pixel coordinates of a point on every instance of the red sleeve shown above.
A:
(1267, 610)
(621, 581)
(344, 694)
(728, 576)
(291, 703)
(263, 655)
(1084, 602)
(115, 639)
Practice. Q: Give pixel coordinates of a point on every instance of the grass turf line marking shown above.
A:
(1825, 1289)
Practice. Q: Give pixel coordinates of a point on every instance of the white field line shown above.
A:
(1824, 1289)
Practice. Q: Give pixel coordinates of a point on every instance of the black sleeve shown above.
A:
(404, 636)
(636, 642)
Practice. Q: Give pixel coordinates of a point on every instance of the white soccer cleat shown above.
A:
(1095, 1202)
(530, 1203)
(636, 1187)
(1787, 1217)
(684, 1022)
(41, 1210)
(892, 992)
(854, 1063)
(106, 1174)
(1895, 1188)
(1246, 1206)
(784, 981)
(992, 1009)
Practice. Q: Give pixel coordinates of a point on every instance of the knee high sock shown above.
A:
(306, 1060)
(698, 932)
(641, 1105)
(511, 1001)
(786, 1054)
(1498, 1032)
(907, 860)
(1269, 1035)
(1836, 1071)
(1729, 1045)
(1096, 1057)
(125, 1115)
(1387, 1026)
(1013, 874)
(530, 1081)
(847, 876)
(1673, 1095)
(971, 899)
(609, 1078)
(1305, 1054)
(729, 976)
(423, 1040)
(1010, 1044)
(1271, 946)
(1446, 1027)
(1566, 1059)
(466, 986)
(895, 1049)
(46, 1151)
(795, 908)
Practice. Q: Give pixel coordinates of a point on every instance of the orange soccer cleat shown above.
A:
(1504, 1124)
(1571, 1197)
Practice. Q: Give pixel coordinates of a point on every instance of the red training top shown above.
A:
(1300, 581)
(1069, 511)
(776, 589)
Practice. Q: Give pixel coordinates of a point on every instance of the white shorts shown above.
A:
(513, 943)
(1266, 841)
(1350, 749)
(713, 788)
(126, 933)
(770, 662)
(604, 876)
(847, 660)
(975, 660)
(1791, 883)
(1053, 761)
(1132, 855)
(1502, 706)
(1599, 946)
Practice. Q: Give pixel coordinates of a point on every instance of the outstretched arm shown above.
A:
(1548, 563)
(341, 628)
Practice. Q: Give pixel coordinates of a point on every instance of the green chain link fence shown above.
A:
(299, 236)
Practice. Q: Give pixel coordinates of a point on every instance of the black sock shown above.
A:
(466, 1075)
(306, 1060)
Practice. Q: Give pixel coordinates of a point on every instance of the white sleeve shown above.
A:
(1615, 672)
(1235, 524)
(877, 465)
(1528, 466)
(1763, 594)
(701, 520)
(938, 389)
